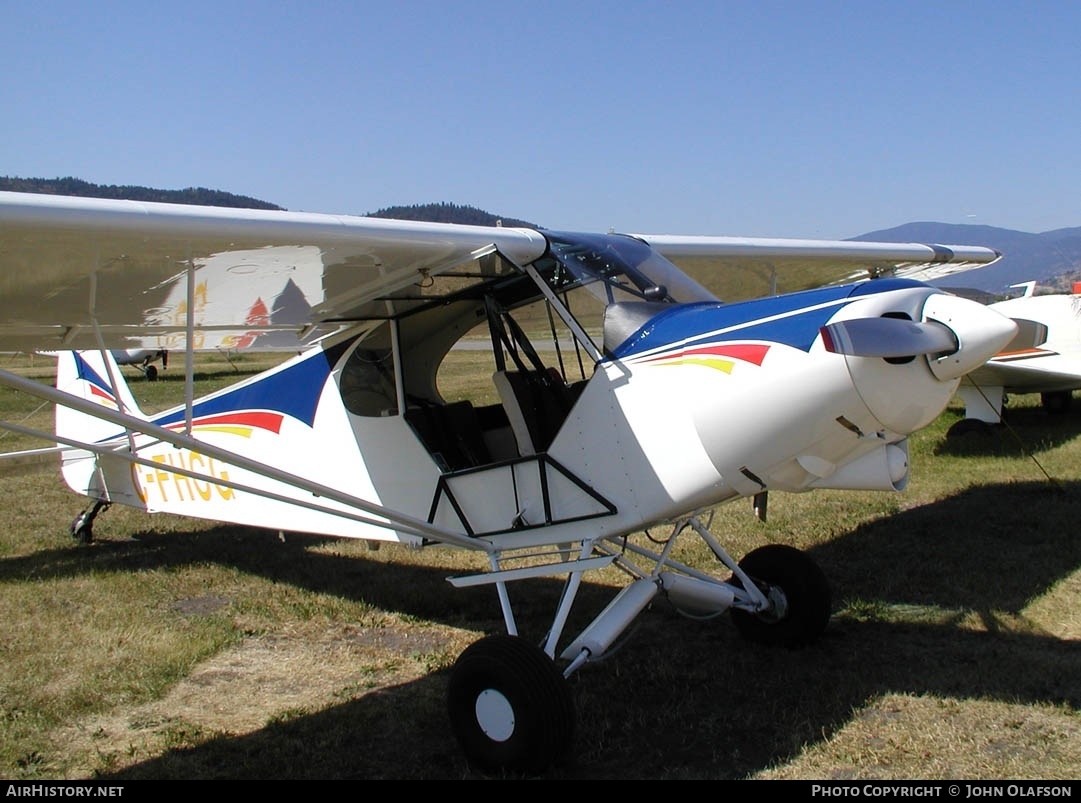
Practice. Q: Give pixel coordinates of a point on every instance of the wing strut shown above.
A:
(189, 350)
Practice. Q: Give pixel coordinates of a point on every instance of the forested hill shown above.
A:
(74, 186)
(433, 213)
(449, 213)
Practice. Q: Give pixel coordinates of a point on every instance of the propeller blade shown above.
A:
(888, 337)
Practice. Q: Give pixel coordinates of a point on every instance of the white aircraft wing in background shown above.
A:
(1044, 358)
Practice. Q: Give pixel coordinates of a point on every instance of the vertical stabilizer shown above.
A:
(92, 376)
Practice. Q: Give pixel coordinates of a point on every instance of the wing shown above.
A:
(86, 272)
(755, 267)
(1030, 371)
(81, 272)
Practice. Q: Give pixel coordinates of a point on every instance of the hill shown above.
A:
(1053, 258)
(199, 196)
(434, 213)
(449, 213)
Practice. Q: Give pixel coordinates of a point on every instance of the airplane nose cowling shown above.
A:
(906, 369)
(981, 333)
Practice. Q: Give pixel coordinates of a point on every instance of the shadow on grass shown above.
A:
(681, 699)
(1025, 430)
(705, 706)
(992, 547)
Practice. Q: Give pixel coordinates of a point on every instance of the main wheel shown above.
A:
(798, 590)
(1057, 402)
(510, 707)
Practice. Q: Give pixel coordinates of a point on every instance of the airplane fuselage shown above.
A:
(703, 403)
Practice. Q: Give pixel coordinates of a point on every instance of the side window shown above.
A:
(367, 381)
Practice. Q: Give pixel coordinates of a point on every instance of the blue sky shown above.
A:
(802, 119)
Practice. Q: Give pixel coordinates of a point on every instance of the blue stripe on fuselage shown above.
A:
(792, 319)
(294, 391)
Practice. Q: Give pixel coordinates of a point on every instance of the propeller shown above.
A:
(956, 334)
(888, 337)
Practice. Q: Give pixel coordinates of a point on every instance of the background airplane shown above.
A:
(654, 402)
(143, 359)
(1044, 358)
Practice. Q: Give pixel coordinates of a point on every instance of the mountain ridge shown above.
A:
(1052, 259)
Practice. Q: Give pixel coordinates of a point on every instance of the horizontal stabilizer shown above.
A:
(888, 337)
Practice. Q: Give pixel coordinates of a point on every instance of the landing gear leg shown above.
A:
(82, 528)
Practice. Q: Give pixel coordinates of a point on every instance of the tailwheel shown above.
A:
(510, 707)
(82, 527)
(798, 592)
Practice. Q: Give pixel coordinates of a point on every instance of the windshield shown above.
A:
(616, 268)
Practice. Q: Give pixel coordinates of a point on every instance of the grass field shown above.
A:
(183, 649)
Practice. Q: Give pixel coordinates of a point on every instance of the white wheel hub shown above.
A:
(495, 715)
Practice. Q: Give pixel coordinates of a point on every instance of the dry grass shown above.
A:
(174, 648)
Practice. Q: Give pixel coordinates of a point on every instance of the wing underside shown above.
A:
(80, 273)
(735, 268)
(1030, 372)
(91, 273)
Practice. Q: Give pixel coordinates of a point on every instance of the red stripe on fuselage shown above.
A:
(747, 352)
(271, 422)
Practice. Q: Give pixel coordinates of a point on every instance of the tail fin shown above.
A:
(93, 376)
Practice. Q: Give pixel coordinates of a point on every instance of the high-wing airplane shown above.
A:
(622, 396)
(1044, 357)
(143, 359)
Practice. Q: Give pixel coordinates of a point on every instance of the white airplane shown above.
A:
(654, 403)
(143, 359)
(1044, 358)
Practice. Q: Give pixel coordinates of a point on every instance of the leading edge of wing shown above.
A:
(70, 266)
(674, 246)
(777, 265)
(109, 216)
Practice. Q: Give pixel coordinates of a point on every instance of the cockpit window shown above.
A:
(612, 284)
(617, 268)
(367, 382)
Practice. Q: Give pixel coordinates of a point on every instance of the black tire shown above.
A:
(151, 373)
(510, 707)
(82, 529)
(805, 589)
(1057, 402)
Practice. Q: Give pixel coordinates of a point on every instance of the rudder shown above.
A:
(93, 376)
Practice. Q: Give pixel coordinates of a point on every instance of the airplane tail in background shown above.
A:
(92, 376)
